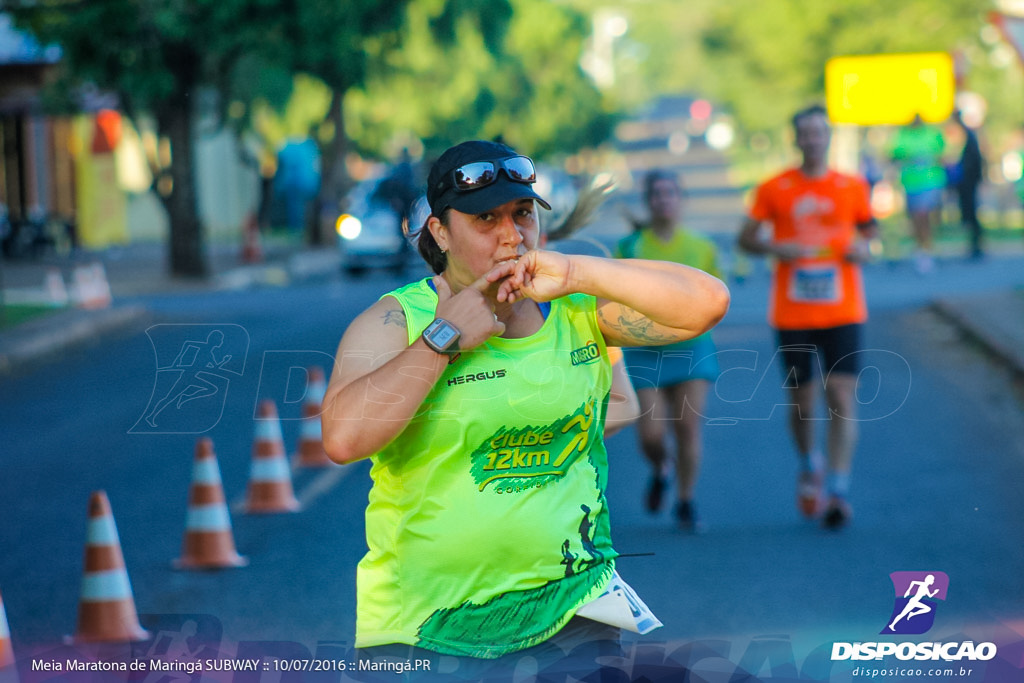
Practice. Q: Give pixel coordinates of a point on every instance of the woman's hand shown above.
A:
(538, 275)
(471, 309)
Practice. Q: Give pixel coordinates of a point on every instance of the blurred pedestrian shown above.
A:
(297, 180)
(820, 223)
(672, 381)
(399, 189)
(479, 396)
(918, 151)
(970, 172)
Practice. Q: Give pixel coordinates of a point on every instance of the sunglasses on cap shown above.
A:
(477, 174)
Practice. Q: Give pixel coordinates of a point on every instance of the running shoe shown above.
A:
(656, 492)
(809, 493)
(837, 515)
(686, 516)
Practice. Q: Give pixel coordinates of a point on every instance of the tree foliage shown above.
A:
(764, 60)
(509, 69)
(445, 70)
(769, 58)
(158, 57)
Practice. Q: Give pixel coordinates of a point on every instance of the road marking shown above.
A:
(321, 484)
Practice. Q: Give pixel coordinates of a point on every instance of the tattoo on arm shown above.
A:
(395, 316)
(636, 328)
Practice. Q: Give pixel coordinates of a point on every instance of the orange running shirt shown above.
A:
(823, 290)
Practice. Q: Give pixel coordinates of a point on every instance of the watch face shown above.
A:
(443, 335)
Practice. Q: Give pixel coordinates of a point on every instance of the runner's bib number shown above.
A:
(815, 284)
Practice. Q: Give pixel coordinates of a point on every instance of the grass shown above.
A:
(12, 315)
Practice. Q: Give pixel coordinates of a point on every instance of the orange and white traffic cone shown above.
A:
(106, 609)
(311, 446)
(270, 481)
(91, 289)
(208, 542)
(6, 651)
(56, 291)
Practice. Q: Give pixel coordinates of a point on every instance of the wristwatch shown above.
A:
(442, 336)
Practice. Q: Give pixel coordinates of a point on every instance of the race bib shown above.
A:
(620, 606)
(815, 284)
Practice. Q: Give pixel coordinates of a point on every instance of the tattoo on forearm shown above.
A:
(631, 325)
(395, 317)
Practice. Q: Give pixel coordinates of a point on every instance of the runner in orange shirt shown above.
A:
(820, 226)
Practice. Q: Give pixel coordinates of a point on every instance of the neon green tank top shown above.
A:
(487, 523)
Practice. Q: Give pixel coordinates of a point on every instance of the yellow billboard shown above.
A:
(873, 90)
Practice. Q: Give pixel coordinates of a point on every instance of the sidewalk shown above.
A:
(132, 272)
(995, 320)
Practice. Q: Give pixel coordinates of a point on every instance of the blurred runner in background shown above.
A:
(672, 381)
(918, 153)
(820, 223)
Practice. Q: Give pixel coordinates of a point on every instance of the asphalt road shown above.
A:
(936, 484)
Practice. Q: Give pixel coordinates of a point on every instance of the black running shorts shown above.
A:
(807, 352)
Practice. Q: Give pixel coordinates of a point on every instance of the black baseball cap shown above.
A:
(441, 191)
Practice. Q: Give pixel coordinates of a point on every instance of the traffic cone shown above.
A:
(311, 446)
(252, 250)
(270, 482)
(102, 295)
(6, 652)
(106, 609)
(56, 291)
(91, 289)
(208, 542)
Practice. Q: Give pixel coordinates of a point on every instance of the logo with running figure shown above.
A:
(917, 596)
(194, 367)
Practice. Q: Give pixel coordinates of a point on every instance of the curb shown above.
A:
(37, 339)
(41, 338)
(1005, 350)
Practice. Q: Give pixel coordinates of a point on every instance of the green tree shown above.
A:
(157, 57)
(333, 42)
(487, 69)
(343, 43)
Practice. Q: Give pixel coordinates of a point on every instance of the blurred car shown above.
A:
(370, 231)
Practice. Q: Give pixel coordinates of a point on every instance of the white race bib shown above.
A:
(619, 605)
(815, 284)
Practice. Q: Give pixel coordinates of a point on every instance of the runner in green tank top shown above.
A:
(672, 381)
(479, 394)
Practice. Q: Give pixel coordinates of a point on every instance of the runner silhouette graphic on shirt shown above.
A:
(587, 541)
(568, 558)
(915, 606)
(193, 361)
